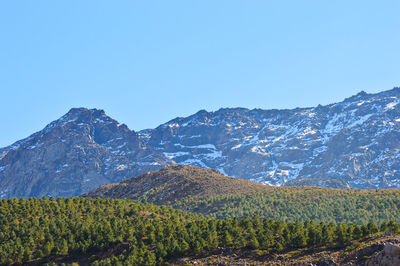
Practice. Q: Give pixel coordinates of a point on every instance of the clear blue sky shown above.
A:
(146, 62)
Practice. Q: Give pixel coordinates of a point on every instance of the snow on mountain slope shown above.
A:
(354, 143)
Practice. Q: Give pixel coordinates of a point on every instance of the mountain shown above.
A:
(351, 144)
(176, 183)
(82, 150)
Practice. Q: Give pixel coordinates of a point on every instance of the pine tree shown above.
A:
(357, 232)
(227, 239)
(64, 247)
(254, 243)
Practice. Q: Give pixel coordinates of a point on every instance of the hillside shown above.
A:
(123, 232)
(372, 251)
(305, 203)
(176, 183)
(210, 193)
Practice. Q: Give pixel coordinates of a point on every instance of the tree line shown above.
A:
(44, 229)
(302, 204)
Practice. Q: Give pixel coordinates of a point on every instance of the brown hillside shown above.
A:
(177, 182)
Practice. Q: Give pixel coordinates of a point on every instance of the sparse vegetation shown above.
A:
(175, 183)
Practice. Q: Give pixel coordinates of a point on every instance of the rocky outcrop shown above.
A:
(389, 256)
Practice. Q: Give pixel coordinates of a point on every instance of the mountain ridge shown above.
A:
(311, 133)
(349, 144)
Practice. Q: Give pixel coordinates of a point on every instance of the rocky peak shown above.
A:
(359, 96)
(82, 150)
(393, 92)
(80, 116)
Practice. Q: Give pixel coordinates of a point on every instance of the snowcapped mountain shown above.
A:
(74, 154)
(354, 143)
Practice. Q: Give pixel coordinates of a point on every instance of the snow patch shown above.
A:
(236, 147)
(308, 131)
(360, 121)
(122, 145)
(222, 171)
(214, 155)
(294, 169)
(259, 150)
(173, 125)
(203, 146)
(121, 167)
(172, 155)
(3, 167)
(391, 105)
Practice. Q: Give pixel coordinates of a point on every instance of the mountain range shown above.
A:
(351, 144)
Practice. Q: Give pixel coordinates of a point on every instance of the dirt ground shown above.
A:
(356, 253)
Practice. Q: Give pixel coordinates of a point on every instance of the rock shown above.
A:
(389, 256)
(391, 249)
(117, 250)
(327, 262)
